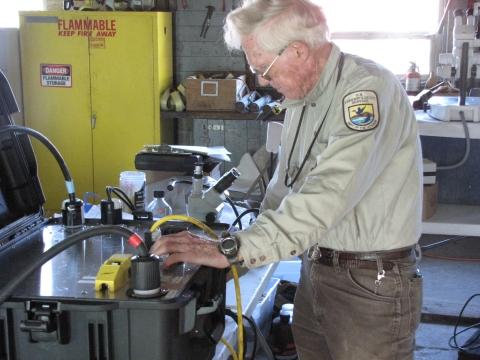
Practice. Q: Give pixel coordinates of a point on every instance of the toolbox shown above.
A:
(69, 292)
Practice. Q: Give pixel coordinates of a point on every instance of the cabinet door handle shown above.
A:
(94, 120)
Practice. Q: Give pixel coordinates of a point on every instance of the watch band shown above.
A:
(233, 260)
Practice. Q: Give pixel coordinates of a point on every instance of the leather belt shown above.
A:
(363, 260)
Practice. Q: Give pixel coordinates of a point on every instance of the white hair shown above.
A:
(276, 24)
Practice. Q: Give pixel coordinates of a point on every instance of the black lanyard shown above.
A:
(339, 73)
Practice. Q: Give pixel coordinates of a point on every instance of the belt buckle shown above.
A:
(314, 253)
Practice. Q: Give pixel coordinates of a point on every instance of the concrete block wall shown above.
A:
(238, 136)
(195, 54)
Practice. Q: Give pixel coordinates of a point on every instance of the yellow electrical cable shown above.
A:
(234, 273)
(184, 218)
(239, 312)
(230, 348)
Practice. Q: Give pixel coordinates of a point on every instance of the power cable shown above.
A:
(451, 258)
(122, 196)
(467, 144)
(467, 346)
(445, 242)
(442, 242)
(233, 269)
(133, 238)
(239, 217)
(234, 208)
(234, 316)
(48, 144)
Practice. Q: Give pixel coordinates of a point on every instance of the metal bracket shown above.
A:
(45, 322)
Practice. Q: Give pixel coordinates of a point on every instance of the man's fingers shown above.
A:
(190, 248)
(184, 236)
(169, 247)
(173, 259)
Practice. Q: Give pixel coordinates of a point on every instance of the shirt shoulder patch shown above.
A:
(360, 110)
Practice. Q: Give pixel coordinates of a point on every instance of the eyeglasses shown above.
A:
(264, 75)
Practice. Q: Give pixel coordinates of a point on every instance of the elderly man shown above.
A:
(346, 195)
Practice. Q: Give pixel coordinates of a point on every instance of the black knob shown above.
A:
(210, 217)
(146, 275)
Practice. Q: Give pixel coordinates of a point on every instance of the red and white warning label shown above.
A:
(56, 75)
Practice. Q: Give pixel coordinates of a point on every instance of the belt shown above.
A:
(363, 260)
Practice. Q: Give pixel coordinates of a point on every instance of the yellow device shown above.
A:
(114, 273)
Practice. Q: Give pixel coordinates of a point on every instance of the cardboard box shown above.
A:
(429, 172)
(429, 200)
(214, 94)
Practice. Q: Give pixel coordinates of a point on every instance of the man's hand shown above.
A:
(190, 248)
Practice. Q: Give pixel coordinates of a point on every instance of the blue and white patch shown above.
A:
(360, 110)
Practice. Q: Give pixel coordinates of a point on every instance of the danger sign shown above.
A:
(55, 75)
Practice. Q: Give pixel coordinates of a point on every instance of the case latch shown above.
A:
(45, 322)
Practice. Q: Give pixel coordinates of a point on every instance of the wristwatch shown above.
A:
(228, 246)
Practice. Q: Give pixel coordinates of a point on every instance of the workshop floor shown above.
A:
(451, 277)
(448, 285)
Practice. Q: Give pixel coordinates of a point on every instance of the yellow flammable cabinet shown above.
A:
(92, 83)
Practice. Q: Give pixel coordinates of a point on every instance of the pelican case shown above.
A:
(58, 311)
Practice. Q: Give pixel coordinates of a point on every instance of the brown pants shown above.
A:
(338, 315)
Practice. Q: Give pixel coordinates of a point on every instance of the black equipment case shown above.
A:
(177, 162)
(57, 311)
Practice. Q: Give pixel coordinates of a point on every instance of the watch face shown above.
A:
(228, 244)
(229, 247)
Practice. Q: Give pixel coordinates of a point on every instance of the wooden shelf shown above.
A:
(221, 115)
(462, 220)
(426, 125)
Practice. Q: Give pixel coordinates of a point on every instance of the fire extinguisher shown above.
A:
(412, 83)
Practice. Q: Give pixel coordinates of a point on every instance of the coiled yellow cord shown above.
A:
(234, 273)
(184, 218)
(230, 348)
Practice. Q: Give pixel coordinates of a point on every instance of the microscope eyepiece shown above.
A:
(226, 180)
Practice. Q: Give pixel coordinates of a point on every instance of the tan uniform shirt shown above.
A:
(361, 186)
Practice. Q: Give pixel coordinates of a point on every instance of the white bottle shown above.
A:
(288, 308)
(159, 207)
